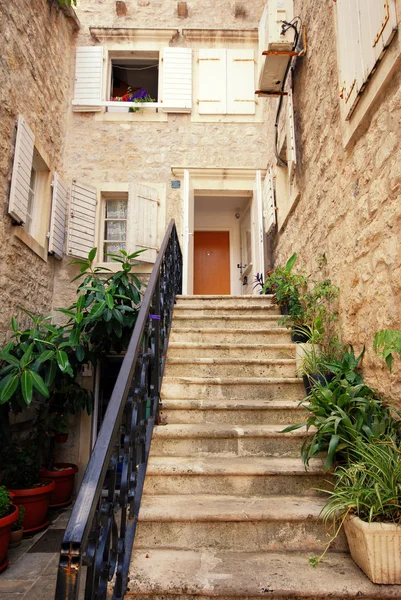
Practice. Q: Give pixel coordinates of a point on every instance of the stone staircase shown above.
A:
(228, 508)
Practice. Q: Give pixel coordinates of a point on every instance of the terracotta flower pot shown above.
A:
(36, 502)
(5, 533)
(15, 538)
(376, 549)
(61, 438)
(63, 475)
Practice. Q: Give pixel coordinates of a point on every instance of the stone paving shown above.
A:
(32, 575)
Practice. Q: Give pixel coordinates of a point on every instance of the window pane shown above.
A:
(111, 248)
(115, 230)
(116, 209)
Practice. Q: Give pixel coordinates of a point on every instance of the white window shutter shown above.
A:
(212, 92)
(82, 223)
(378, 23)
(291, 144)
(21, 175)
(269, 209)
(177, 80)
(58, 217)
(349, 51)
(240, 82)
(88, 79)
(143, 207)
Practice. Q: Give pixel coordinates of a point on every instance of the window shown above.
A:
(130, 76)
(30, 201)
(166, 75)
(226, 80)
(115, 225)
(365, 29)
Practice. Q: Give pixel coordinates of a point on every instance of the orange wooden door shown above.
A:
(212, 262)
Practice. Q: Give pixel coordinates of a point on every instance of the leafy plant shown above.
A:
(369, 486)
(5, 502)
(346, 366)
(67, 2)
(387, 342)
(340, 414)
(286, 287)
(103, 317)
(17, 525)
(20, 465)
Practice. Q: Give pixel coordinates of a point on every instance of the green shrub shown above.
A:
(5, 502)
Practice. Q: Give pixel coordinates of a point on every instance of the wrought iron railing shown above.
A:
(98, 541)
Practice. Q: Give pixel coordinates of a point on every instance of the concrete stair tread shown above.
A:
(221, 430)
(211, 573)
(236, 465)
(231, 361)
(249, 306)
(230, 404)
(225, 317)
(236, 330)
(231, 380)
(289, 347)
(260, 297)
(208, 507)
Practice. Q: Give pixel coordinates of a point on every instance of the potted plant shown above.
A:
(366, 499)
(20, 466)
(286, 287)
(17, 529)
(138, 96)
(8, 516)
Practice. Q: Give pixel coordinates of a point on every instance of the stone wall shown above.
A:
(37, 41)
(350, 199)
(143, 150)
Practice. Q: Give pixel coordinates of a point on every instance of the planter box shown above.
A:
(119, 108)
(376, 549)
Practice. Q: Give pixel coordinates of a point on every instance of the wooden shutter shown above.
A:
(82, 224)
(58, 217)
(21, 175)
(291, 145)
(177, 79)
(212, 92)
(378, 23)
(143, 204)
(269, 209)
(240, 82)
(349, 52)
(88, 79)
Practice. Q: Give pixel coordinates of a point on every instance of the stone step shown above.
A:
(218, 335)
(226, 307)
(230, 367)
(235, 301)
(224, 440)
(167, 574)
(234, 523)
(231, 412)
(272, 388)
(239, 476)
(260, 351)
(226, 321)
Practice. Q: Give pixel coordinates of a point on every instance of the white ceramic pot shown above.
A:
(376, 549)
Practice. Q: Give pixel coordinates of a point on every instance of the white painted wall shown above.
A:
(218, 214)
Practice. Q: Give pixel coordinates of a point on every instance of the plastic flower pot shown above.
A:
(5, 533)
(61, 438)
(36, 501)
(15, 538)
(63, 475)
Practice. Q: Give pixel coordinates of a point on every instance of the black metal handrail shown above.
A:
(100, 533)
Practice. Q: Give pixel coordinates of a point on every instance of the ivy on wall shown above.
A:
(68, 2)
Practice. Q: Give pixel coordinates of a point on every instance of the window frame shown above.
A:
(104, 198)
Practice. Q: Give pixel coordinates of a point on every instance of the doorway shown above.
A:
(212, 263)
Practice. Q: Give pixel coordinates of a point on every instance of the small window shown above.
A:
(136, 77)
(115, 224)
(38, 199)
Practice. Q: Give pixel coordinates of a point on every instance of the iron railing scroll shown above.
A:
(97, 545)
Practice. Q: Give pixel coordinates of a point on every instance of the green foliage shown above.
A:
(387, 342)
(370, 486)
(104, 315)
(67, 2)
(17, 525)
(340, 414)
(5, 502)
(20, 465)
(347, 366)
(286, 287)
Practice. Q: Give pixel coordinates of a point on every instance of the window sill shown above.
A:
(32, 244)
(127, 117)
(142, 268)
